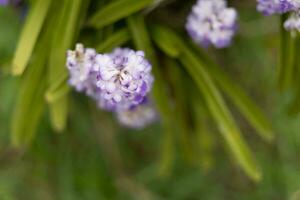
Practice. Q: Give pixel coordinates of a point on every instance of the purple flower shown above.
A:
(80, 63)
(269, 7)
(137, 117)
(117, 81)
(211, 22)
(293, 22)
(124, 78)
(6, 2)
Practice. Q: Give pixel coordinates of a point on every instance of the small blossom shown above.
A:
(117, 81)
(211, 22)
(124, 78)
(80, 64)
(7, 2)
(4, 2)
(137, 117)
(269, 7)
(293, 22)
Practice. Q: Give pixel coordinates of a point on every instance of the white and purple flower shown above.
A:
(7, 2)
(211, 22)
(293, 22)
(80, 63)
(269, 7)
(4, 2)
(124, 78)
(137, 117)
(118, 81)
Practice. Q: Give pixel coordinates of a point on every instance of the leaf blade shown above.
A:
(115, 11)
(117, 39)
(142, 42)
(216, 105)
(29, 35)
(287, 57)
(66, 30)
(247, 107)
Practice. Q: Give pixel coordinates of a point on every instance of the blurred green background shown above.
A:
(94, 158)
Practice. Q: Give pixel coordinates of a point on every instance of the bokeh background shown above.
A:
(95, 158)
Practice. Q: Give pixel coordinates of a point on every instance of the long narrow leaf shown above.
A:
(29, 35)
(54, 92)
(286, 65)
(30, 101)
(117, 39)
(185, 138)
(205, 137)
(217, 107)
(247, 107)
(115, 11)
(54, 96)
(67, 28)
(294, 107)
(142, 41)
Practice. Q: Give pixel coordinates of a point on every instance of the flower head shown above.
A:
(293, 22)
(7, 2)
(137, 117)
(269, 7)
(80, 64)
(118, 81)
(4, 2)
(124, 78)
(211, 22)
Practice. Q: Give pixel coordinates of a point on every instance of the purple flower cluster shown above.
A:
(211, 22)
(269, 7)
(293, 22)
(138, 117)
(117, 81)
(6, 2)
(124, 78)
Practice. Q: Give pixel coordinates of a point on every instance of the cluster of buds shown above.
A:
(118, 81)
(269, 7)
(7, 2)
(211, 22)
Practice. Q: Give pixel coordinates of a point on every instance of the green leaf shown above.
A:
(142, 42)
(29, 106)
(29, 35)
(59, 113)
(167, 44)
(221, 114)
(183, 128)
(205, 137)
(117, 39)
(30, 102)
(287, 57)
(115, 11)
(216, 106)
(294, 107)
(54, 92)
(68, 24)
(54, 95)
(247, 107)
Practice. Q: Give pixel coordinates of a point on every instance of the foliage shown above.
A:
(197, 93)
